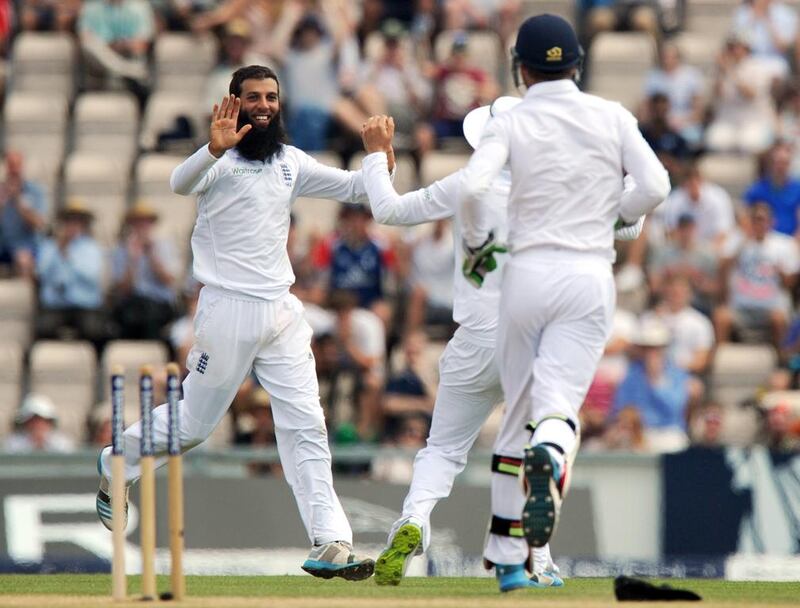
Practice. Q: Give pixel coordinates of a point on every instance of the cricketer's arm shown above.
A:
(434, 202)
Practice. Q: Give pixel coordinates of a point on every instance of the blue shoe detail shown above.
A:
(511, 577)
(549, 578)
(338, 559)
(541, 510)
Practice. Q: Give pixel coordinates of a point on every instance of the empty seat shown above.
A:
(35, 124)
(164, 114)
(739, 369)
(132, 355)
(437, 165)
(101, 183)
(152, 174)
(562, 8)
(183, 61)
(106, 122)
(44, 62)
(733, 172)
(698, 50)
(483, 50)
(17, 307)
(314, 216)
(66, 372)
(619, 63)
(405, 177)
(10, 383)
(623, 88)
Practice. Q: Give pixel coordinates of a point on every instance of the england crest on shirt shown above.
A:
(286, 172)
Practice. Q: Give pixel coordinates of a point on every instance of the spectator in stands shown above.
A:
(361, 341)
(398, 468)
(320, 62)
(759, 274)
(406, 392)
(143, 274)
(691, 333)
(256, 429)
(670, 146)
(23, 206)
(236, 52)
(393, 84)
(459, 87)
(684, 86)
(177, 15)
(100, 425)
(685, 256)
(707, 203)
(115, 36)
(770, 26)
(70, 271)
(181, 332)
(657, 387)
(597, 16)
(778, 189)
(744, 111)
(781, 430)
(706, 426)
(625, 433)
(501, 16)
(431, 280)
(36, 421)
(49, 15)
(356, 262)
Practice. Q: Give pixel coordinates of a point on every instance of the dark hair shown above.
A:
(547, 76)
(254, 72)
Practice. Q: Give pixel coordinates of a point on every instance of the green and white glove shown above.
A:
(479, 261)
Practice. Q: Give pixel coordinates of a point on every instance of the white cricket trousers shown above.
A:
(469, 388)
(555, 318)
(233, 334)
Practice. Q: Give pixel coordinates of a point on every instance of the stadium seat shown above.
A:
(562, 8)
(10, 383)
(183, 61)
(484, 50)
(67, 373)
(405, 178)
(44, 62)
(437, 165)
(738, 370)
(152, 174)
(101, 182)
(622, 87)
(132, 355)
(314, 217)
(106, 123)
(163, 111)
(35, 124)
(330, 159)
(698, 50)
(17, 307)
(733, 172)
(710, 18)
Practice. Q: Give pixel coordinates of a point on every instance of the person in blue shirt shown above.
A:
(655, 386)
(70, 270)
(144, 270)
(23, 206)
(778, 189)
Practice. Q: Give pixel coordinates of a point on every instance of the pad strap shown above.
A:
(506, 465)
(506, 527)
(531, 426)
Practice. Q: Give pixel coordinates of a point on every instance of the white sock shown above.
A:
(558, 432)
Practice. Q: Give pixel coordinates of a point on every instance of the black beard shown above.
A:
(261, 143)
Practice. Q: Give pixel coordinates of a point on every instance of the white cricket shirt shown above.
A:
(475, 310)
(568, 152)
(239, 238)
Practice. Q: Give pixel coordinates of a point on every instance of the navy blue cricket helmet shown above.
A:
(547, 43)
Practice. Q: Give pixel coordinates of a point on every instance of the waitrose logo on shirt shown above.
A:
(236, 171)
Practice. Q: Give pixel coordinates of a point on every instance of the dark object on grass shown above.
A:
(629, 589)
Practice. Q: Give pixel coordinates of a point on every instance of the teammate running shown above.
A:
(246, 179)
(567, 152)
(469, 382)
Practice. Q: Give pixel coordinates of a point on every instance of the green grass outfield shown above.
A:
(54, 591)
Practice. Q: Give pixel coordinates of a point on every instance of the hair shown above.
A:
(564, 74)
(254, 72)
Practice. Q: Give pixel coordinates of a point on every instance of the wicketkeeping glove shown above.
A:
(478, 261)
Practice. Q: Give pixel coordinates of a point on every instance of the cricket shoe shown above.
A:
(511, 577)
(338, 559)
(393, 562)
(543, 480)
(548, 578)
(103, 501)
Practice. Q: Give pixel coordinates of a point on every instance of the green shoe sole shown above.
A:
(391, 565)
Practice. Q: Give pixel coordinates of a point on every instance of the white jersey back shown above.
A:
(239, 238)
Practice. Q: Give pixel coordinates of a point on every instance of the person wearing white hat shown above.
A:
(37, 432)
(469, 384)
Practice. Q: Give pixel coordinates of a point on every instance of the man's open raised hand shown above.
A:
(224, 117)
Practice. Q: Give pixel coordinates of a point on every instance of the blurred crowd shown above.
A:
(714, 266)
